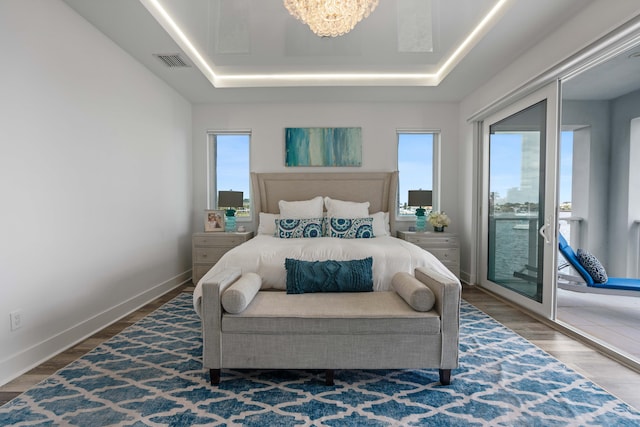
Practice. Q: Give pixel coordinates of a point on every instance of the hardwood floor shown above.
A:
(41, 372)
(610, 375)
(611, 319)
(617, 379)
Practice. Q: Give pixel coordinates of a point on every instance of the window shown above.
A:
(572, 206)
(417, 151)
(566, 170)
(228, 168)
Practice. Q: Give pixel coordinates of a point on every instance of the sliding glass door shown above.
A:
(519, 192)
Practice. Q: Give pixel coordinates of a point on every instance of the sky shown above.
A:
(566, 166)
(233, 163)
(506, 165)
(415, 160)
(415, 163)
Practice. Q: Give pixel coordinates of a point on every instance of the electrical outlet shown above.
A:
(16, 319)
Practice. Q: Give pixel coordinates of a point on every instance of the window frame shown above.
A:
(435, 179)
(212, 176)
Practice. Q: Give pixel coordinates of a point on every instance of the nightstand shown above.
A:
(207, 248)
(444, 246)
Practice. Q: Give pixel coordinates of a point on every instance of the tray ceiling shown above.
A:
(253, 50)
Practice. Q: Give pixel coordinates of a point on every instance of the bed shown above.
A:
(272, 325)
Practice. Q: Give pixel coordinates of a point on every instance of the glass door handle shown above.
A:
(543, 231)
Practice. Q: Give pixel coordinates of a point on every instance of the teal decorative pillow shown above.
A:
(350, 228)
(329, 276)
(296, 228)
(593, 266)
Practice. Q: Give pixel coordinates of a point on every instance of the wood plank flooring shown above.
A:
(609, 374)
(612, 376)
(41, 372)
(609, 318)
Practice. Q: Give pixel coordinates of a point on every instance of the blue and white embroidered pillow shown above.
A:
(297, 228)
(593, 266)
(350, 228)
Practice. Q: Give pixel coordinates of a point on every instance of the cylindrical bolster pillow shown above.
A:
(413, 291)
(238, 296)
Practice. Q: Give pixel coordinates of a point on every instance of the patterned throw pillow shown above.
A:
(593, 266)
(350, 228)
(329, 276)
(297, 228)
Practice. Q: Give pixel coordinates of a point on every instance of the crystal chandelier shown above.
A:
(330, 18)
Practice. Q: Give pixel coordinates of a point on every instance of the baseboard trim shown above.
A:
(27, 359)
(465, 277)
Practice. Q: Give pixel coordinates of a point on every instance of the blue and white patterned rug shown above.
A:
(151, 375)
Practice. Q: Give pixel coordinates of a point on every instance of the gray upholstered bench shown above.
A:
(368, 330)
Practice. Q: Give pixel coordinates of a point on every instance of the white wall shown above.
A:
(594, 21)
(379, 123)
(610, 203)
(633, 256)
(624, 204)
(95, 182)
(592, 200)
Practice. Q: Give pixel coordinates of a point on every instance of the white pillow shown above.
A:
(267, 223)
(380, 224)
(343, 209)
(301, 209)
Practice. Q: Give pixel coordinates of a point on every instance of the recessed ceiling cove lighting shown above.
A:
(343, 78)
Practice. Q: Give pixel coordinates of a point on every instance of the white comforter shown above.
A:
(265, 255)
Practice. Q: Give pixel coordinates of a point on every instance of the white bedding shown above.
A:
(265, 255)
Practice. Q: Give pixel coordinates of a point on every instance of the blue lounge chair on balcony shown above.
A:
(586, 283)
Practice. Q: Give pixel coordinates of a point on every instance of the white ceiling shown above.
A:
(611, 79)
(251, 37)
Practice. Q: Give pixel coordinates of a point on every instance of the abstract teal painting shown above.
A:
(323, 146)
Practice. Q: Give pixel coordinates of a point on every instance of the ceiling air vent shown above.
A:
(172, 60)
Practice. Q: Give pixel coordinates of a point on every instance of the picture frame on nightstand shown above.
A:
(214, 220)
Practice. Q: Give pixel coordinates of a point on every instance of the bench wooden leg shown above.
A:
(328, 377)
(214, 374)
(445, 376)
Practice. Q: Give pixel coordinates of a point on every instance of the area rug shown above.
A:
(151, 375)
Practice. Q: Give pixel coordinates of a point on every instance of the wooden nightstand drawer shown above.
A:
(454, 267)
(209, 254)
(431, 241)
(199, 271)
(451, 255)
(208, 248)
(444, 246)
(219, 239)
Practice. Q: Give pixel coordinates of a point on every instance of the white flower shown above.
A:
(438, 219)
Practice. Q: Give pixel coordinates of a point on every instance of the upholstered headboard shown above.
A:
(378, 188)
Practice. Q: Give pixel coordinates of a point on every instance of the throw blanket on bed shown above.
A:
(265, 255)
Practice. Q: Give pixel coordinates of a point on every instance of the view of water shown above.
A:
(514, 244)
(512, 236)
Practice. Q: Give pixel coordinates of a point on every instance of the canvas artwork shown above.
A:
(323, 146)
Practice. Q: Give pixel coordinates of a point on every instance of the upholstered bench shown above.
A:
(361, 330)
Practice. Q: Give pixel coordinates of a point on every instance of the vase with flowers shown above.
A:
(439, 220)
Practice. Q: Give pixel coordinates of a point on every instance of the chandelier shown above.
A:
(330, 18)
